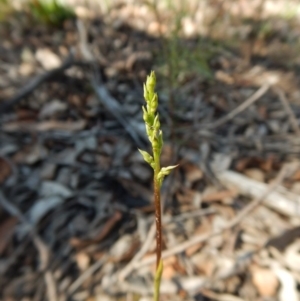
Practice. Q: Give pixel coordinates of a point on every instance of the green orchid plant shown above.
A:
(155, 136)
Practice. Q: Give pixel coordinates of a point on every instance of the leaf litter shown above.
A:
(78, 206)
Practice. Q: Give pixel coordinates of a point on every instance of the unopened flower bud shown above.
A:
(146, 93)
(147, 157)
(156, 123)
(153, 104)
(151, 82)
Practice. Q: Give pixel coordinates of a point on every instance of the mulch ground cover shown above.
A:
(76, 211)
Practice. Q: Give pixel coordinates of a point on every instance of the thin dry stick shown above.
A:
(131, 265)
(287, 108)
(35, 82)
(87, 274)
(150, 236)
(248, 102)
(286, 170)
(110, 103)
(43, 250)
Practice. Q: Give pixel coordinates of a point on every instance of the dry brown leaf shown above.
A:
(241, 164)
(269, 163)
(122, 247)
(265, 281)
(5, 170)
(220, 297)
(203, 228)
(44, 126)
(156, 28)
(255, 174)
(192, 173)
(47, 58)
(204, 263)
(137, 190)
(7, 229)
(266, 164)
(188, 196)
(31, 154)
(224, 77)
(296, 176)
(24, 114)
(219, 196)
(138, 56)
(104, 231)
(169, 270)
(26, 69)
(83, 261)
(52, 108)
(167, 155)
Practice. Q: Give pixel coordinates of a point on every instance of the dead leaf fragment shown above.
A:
(52, 108)
(31, 155)
(169, 270)
(265, 281)
(296, 176)
(193, 173)
(48, 59)
(42, 207)
(44, 126)
(105, 230)
(7, 229)
(26, 69)
(50, 188)
(5, 170)
(202, 229)
(83, 261)
(121, 247)
(205, 263)
(219, 195)
(292, 256)
(141, 171)
(255, 174)
(224, 77)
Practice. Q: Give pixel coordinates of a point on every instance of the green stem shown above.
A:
(155, 136)
(159, 264)
(157, 221)
(157, 280)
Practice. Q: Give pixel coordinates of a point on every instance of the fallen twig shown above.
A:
(131, 265)
(34, 83)
(248, 102)
(287, 108)
(88, 273)
(281, 200)
(110, 103)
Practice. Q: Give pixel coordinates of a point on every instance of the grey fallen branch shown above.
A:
(112, 105)
(243, 106)
(34, 83)
(292, 118)
(43, 249)
(109, 102)
(281, 200)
